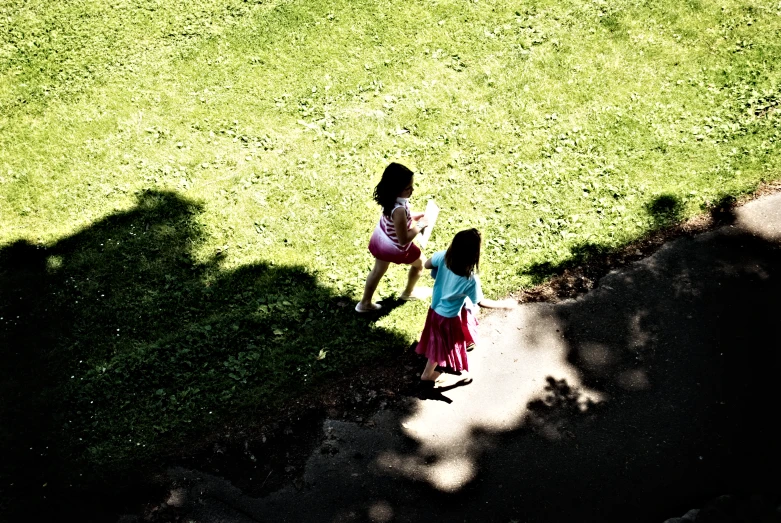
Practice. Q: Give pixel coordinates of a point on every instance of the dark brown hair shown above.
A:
(463, 255)
(394, 180)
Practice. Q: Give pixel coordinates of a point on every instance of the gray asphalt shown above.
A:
(651, 395)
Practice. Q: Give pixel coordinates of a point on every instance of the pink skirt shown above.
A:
(384, 249)
(444, 340)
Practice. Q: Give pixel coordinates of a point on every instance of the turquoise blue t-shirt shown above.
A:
(451, 290)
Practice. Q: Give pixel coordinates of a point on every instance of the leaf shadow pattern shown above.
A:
(120, 347)
(560, 404)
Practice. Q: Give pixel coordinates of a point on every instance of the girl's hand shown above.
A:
(422, 222)
(507, 303)
(417, 215)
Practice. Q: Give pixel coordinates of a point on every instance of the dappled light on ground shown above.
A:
(381, 512)
(762, 219)
(508, 374)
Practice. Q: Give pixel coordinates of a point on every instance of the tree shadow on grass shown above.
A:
(665, 210)
(120, 347)
(590, 261)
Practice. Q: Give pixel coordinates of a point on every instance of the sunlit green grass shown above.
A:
(551, 126)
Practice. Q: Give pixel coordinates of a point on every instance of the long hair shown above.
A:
(394, 180)
(463, 255)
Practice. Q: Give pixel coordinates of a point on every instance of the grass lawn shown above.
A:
(185, 187)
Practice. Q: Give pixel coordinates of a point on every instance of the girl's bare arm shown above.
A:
(507, 303)
(400, 223)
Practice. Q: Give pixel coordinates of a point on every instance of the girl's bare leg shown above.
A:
(376, 274)
(414, 274)
(430, 373)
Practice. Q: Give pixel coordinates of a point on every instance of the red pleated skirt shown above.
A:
(444, 340)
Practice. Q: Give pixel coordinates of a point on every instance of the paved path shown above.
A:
(651, 395)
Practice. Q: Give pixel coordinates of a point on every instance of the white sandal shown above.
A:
(374, 307)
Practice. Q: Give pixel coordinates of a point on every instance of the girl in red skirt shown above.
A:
(391, 241)
(451, 326)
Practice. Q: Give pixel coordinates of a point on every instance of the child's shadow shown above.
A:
(388, 304)
(427, 390)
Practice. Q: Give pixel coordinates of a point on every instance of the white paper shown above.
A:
(432, 211)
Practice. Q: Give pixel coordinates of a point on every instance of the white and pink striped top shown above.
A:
(387, 227)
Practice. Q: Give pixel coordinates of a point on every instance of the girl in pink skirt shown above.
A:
(391, 241)
(451, 326)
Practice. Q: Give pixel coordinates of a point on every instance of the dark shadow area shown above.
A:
(665, 210)
(121, 351)
(722, 211)
(388, 305)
